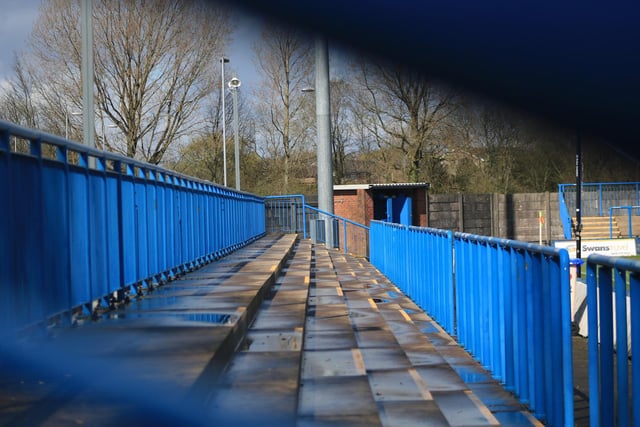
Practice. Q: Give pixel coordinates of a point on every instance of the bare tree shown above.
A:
(284, 55)
(405, 111)
(202, 156)
(341, 129)
(16, 99)
(153, 67)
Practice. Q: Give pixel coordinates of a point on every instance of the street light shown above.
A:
(223, 61)
(234, 84)
(66, 122)
(87, 68)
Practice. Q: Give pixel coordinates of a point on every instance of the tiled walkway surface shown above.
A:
(328, 341)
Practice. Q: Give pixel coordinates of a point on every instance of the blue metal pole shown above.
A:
(567, 344)
(634, 288)
(594, 371)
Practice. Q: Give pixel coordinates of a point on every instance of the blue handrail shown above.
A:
(565, 217)
(290, 214)
(607, 281)
(508, 303)
(598, 197)
(82, 226)
(629, 210)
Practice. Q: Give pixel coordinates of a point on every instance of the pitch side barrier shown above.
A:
(507, 302)
(81, 226)
(609, 281)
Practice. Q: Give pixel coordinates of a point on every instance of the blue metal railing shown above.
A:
(565, 217)
(508, 302)
(629, 211)
(596, 199)
(514, 315)
(419, 261)
(286, 214)
(81, 225)
(291, 214)
(607, 281)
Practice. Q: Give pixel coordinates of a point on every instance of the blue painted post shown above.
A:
(536, 325)
(594, 373)
(634, 288)
(493, 310)
(344, 235)
(599, 199)
(605, 303)
(567, 341)
(621, 345)
(544, 317)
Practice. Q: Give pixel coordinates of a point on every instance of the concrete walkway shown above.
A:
(278, 333)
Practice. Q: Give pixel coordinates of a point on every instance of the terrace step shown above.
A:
(150, 362)
(597, 227)
(282, 332)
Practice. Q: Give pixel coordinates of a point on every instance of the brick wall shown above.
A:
(355, 205)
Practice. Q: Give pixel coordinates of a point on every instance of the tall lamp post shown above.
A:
(234, 84)
(66, 121)
(88, 117)
(578, 225)
(223, 61)
(325, 165)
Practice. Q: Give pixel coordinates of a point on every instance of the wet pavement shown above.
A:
(277, 333)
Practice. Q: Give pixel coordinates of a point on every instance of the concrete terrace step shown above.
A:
(596, 227)
(403, 369)
(262, 381)
(364, 354)
(281, 332)
(151, 362)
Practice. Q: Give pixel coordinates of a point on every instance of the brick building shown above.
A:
(404, 203)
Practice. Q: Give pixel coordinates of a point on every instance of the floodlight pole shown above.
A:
(223, 60)
(88, 114)
(578, 229)
(325, 165)
(234, 84)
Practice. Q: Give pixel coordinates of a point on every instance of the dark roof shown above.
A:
(387, 186)
(400, 185)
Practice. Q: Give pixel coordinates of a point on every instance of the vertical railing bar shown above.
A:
(605, 287)
(567, 341)
(621, 346)
(634, 288)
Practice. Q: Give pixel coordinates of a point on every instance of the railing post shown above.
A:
(567, 341)
(594, 374)
(344, 236)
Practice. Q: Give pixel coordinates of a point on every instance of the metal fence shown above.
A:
(596, 199)
(291, 214)
(625, 219)
(609, 281)
(80, 226)
(507, 302)
(400, 252)
(286, 214)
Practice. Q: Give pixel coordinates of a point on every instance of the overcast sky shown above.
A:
(18, 16)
